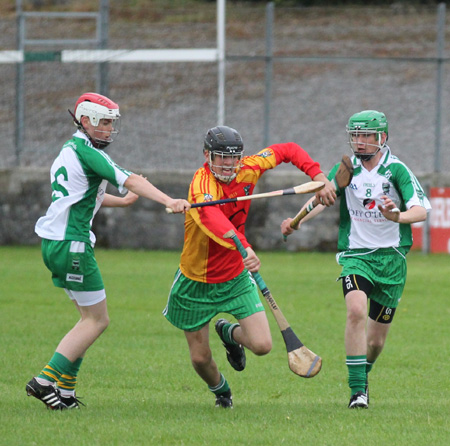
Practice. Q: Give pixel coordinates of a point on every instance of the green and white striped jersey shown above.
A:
(78, 176)
(362, 225)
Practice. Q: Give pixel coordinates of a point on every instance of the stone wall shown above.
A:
(145, 225)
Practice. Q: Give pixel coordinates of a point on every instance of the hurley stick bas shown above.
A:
(342, 179)
(306, 188)
(302, 361)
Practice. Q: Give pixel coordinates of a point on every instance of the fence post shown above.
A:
(20, 74)
(439, 76)
(269, 72)
(102, 37)
(221, 62)
(426, 239)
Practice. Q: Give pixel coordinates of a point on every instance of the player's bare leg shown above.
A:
(201, 355)
(55, 385)
(94, 321)
(356, 347)
(253, 333)
(376, 338)
(355, 327)
(206, 367)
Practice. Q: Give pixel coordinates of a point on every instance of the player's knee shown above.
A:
(356, 312)
(96, 323)
(376, 344)
(104, 323)
(355, 318)
(101, 324)
(201, 359)
(262, 347)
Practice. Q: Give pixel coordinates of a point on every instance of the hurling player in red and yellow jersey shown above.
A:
(212, 277)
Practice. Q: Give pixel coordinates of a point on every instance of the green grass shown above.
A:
(140, 389)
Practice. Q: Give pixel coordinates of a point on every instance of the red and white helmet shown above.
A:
(97, 107)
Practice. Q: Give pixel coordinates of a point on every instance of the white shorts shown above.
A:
(86, 298)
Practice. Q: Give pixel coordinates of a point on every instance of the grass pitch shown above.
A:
(140, 389)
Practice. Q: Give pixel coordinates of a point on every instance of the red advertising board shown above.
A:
(439, 222)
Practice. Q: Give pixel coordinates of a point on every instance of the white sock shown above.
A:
(44, 382)
(66, 393)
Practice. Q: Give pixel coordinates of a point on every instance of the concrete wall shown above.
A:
(145, 225)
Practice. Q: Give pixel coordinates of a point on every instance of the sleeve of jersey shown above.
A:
(331, 176)
(410, 189)
(100, 163)
(211, 220)
(292, 153)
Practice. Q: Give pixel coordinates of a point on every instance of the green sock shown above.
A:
(369, 366)
(58, 365)
(356, 373)
(227, 332)
(222, 387)
(68, 380)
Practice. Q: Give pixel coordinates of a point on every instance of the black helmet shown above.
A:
(224, 139)
(224, 143)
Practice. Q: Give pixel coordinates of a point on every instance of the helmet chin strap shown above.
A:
(369, 156)
(95, 143)
(98, 144)
(366, 156)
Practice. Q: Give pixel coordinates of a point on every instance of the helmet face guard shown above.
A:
(103, 114)
(224, 166)
(361, 126)
(225, 149)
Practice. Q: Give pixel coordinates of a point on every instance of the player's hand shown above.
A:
(286, 227)
(178, 206)
(327, 195)
(389, 209)
(251, 262)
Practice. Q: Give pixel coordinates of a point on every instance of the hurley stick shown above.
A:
(342, 179)
(302, 361)
(306, 188)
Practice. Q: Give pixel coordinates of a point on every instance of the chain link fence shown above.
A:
(327, 64)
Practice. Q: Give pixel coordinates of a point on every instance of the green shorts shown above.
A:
(385, 268)
(192, 305)
(72, 264)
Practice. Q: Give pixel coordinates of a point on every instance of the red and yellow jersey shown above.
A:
(207, 256)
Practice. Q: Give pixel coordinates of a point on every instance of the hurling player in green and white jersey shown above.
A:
(79, 176)
(376, 212)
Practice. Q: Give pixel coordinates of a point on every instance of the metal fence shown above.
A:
(292, 74)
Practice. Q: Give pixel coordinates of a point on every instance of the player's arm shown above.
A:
(415, 206)
(414, 214)
(210, 219)
(142, 187)
(122, 178)
(330, 182)
(286, 224)
(214, 223)
(251, 262)
(293, 153)
(112, 201)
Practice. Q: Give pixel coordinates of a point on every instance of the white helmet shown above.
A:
(97, 107)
